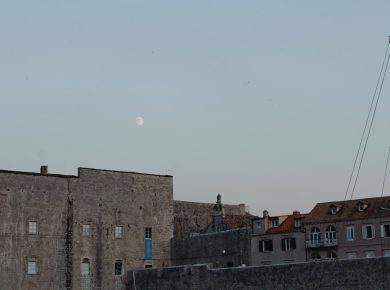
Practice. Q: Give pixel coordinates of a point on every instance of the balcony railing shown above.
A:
(321, 243)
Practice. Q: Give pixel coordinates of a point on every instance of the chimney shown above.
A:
(295, 212)
(265, 213)
(44, 170)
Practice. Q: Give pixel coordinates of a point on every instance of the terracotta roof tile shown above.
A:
(288, 225)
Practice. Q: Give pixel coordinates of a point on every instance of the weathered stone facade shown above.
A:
(361, 274)
(229, 248)
(115, 207)
(195, 217)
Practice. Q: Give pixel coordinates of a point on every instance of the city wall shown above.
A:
(371, 273)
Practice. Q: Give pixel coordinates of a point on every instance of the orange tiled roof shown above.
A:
(287, 225)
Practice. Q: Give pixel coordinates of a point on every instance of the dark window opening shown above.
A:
(289, 244)
(148, 233)
(118, 267)
(265, 246)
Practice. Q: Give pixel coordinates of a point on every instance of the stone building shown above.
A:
(349, 229)
(217, 234)
(84, 231)
(278, 239)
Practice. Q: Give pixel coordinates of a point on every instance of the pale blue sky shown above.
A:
(263, 102)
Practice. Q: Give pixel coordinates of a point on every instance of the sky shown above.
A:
(261, 101)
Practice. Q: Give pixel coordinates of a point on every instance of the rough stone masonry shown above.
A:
(73, 232)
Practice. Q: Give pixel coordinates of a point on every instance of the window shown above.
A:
(350, 233)
(86, 230)
(32, 267)
(33, 227)
(118, 267)
(298, 223)
(85, 268)
(258, 225)
(368, 232)
(275, 222)
(385, 231)
(265, 246)
(148, 233)
(288, 244)
(331, 255)
(330, 233)
(148, 266)
(118, 232)
(361, 206)
(370, 254)
(351, 255)
(315, 234)
(315, 256)
(386, 253)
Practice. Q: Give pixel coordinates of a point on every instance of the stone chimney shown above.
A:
(44, 170)
(266, 220)
(295, 212)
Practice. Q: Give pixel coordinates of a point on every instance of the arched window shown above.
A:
(330, 233)
(315, 234)
(315, 256)
(118, 267)
(85, 268)
(331, 255)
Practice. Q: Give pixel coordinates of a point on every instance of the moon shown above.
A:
(140, 121)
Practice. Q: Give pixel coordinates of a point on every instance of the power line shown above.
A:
(372, 121)
(384, 178)
(366, 123)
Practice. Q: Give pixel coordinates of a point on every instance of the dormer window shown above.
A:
(334, 208)
(361, 206)
(275, 222)
(298, 223)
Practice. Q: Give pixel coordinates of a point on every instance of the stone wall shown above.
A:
(61, 205)
(362, 274)
(195, 217)
(222, 249)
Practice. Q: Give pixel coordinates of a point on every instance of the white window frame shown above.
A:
(330, 235)
(383, 232)
(32, 268)
(288, 244)
(386, 253)
(315, 235)
(298, 223)
(118, 232)
(364, 231)
(274, 223)
(350, 230)
(331, 255)
(33, 227)
(258, 224)
(367, 254)
(87, 230)
(351, 255)
(86, 267)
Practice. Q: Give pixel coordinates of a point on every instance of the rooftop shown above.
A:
(375, 207)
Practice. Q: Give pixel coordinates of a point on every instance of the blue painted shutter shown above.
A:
(148, 250)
